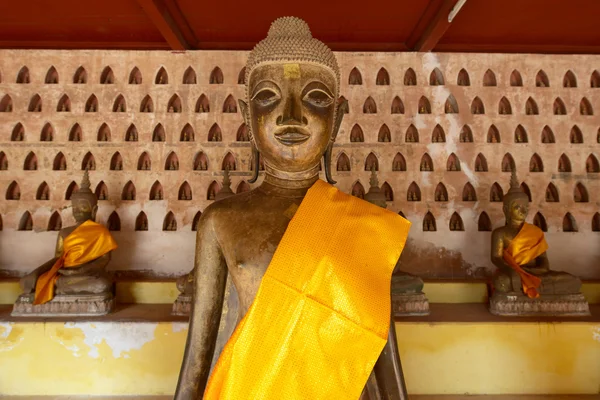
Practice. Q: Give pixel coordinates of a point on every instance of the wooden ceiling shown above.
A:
(508, 26)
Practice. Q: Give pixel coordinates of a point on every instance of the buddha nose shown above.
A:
(292, 112)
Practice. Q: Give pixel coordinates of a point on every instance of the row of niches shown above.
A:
(144, 162)
(108, 77)
(169, 222)
(104, 133)
(119, 104)
(175, 104)
(129, 192)
(466, 135)
(463, 78)
(355, 77)
(132, 134)
(343, 163)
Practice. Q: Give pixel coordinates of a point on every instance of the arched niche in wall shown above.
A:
(128, 192)
(189, 76)
(162, 78)
(515, 78)
(141, 222)
(413, 193)
(456, 223)
(355, 77)
(104, 133)
(484, 224)
(216, 77)
(55, 222)
(116, 162)
(463, 78)
(18, 133)
(80, 76)
(489, 78)
(410, 78)
(358, 190)
(135, 76)
(436, 78)
(170, 223)
(107, 77)
(429, 223)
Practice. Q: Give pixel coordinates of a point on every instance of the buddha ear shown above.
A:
(244, 109)
(327, 163)
(94, 211)
(342, 108)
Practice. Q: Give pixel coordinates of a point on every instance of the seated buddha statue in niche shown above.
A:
(76, 273)
(304, 258)
(524, 283)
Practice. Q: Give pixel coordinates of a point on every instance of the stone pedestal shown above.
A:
(518, 305)
(65, 305)
(409, 304)
(183, 305)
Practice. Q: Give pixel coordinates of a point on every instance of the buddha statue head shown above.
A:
(291, 107)
(84, 201)
(516, 202)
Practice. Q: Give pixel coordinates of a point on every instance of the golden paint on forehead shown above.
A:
(291, 71)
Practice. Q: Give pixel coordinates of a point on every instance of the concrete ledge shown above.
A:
(459, 348)
(165, 292)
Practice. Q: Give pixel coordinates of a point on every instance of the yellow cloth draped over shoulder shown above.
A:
(321, 316)
(525, 247)
(87, 242)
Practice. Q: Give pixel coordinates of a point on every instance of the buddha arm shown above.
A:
(388, 369)
(209, 288)
(498, 252)
(90, 268)
(29, 281)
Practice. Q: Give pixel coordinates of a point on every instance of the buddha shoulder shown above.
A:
(228, 209)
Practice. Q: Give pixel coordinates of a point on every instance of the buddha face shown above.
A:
(517, 210)
(83, 210)
(291, 113)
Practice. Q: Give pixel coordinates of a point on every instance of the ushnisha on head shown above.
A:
(291, 108)
(516, 202)
(84, 201)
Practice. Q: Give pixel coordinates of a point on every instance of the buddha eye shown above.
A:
(265, 97)
(318, 98)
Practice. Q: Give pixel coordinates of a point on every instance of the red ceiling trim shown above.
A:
(161, 17)
(72, 45)
(425, 21)
(436, 28)
(517, 48)
(335, 46)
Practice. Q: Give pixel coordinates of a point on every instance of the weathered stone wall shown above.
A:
(447, 252)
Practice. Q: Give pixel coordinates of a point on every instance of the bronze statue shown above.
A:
(74, 281)
(524, 283)
(292, 83)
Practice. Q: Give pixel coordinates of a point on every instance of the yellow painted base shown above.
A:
(165, 292)
(143, 358)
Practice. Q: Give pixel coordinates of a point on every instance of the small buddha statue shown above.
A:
(74, 281)
(292, 84)
(524, 283)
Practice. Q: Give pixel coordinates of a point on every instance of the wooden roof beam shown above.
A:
(162, 17)
(438, 25)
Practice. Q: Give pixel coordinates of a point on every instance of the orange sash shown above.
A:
(87, 242)
(321, 316)
(525, 247)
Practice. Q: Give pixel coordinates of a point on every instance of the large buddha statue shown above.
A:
(524, 283)
(74, 281)
(407, 290)
(310, 266)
